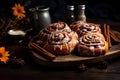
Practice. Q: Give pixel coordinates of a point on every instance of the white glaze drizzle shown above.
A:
(100, 48)
(92, 49)
(59, 46)
(67, 46)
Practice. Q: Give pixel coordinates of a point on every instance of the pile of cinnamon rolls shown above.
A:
(86, 39)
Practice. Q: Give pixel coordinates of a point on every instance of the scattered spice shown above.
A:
(82, 67)
(16, 62)
(102, 65)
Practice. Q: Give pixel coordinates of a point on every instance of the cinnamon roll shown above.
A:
(92, 44)
(82, 28)
(54, 27)
(58, 26)
(60, 43)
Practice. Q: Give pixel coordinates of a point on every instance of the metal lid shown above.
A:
(39, 8)
(81, 6)
(70, 7)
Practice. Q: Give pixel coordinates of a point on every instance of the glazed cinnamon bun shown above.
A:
(54, 27)
(60, 43)
(92, 44)
(82, 28)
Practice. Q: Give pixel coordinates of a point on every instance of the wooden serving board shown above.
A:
(74, 60)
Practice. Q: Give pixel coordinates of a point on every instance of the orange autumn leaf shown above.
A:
(18, 11)
(4, 55)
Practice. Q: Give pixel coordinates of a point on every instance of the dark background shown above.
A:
(100, 9)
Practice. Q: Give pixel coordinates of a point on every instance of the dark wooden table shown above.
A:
(33, 71)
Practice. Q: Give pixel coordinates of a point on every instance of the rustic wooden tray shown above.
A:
(74, 60)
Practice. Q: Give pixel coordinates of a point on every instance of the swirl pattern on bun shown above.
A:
(60, 43)
(92, 44)
(82, 28)
(58, 26)
(54, 27)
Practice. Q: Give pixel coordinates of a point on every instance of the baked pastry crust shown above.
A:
(82, 28)
(58, 26)
(43, 35)
(60, 43)
(92, 44)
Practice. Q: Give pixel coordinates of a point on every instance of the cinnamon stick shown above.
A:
(108, 36)
(42, 51)
(114, 37)
(104, 29)
(104, 32)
